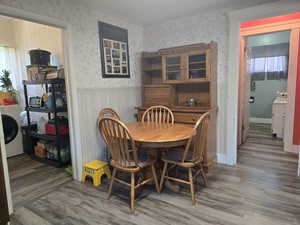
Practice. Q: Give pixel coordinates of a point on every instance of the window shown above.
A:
(272, 68)
(8, 62)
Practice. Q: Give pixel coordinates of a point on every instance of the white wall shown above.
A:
(85, 66)
(196, 29)
(7, 38)
(122, 99)
(30, 36)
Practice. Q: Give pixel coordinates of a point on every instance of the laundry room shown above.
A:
(33, 104)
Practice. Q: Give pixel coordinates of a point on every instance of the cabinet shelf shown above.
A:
(173, 71)
(173, 64)
(153, 68)
(198, 62)
(46, 110)
(58, 141)
(188, 81)
(48, 137)
(49, 81)
(200, 69)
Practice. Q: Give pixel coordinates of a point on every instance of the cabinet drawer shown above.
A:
(186, 117)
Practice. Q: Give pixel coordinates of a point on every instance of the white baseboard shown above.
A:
(289, 150)
(299, 165)
(260, 120)
(221, 158)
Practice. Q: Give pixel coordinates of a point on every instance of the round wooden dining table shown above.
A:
(158, 136)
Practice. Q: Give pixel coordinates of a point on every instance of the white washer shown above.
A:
(12, 129)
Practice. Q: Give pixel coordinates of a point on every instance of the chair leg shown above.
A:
(203, 174)
(132, 186)
(192, 186)
(155, 178)
(163, 175)
(111, 182)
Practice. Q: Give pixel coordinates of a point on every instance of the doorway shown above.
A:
(268, 56)
(32, 149)
(280, 29)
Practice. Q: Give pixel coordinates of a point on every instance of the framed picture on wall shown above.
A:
(114, 51)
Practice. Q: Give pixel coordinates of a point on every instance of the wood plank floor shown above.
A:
(261, 190)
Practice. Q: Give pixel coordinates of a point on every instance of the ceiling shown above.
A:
(268, 39)
(154, 11)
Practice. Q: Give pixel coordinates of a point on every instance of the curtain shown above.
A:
(8, 61)
(277, 67)
(258, 68)
(272, 68)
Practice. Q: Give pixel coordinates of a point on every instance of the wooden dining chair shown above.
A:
(125, 156)
(191, 158)
(108, 112)
(158, 114)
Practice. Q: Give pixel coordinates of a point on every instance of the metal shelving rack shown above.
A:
(57, 139)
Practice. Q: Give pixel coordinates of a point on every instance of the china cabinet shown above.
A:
(184, 79)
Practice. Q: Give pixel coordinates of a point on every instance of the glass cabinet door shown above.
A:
(173, 68)
(197, 66)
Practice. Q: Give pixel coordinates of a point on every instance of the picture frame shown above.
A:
(114, 51)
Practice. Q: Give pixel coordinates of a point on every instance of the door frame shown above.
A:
(241, 97)
(235, 18)
(292, 26)
(3, 184)
(73, 112)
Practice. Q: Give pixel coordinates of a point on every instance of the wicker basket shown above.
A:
(38, 73)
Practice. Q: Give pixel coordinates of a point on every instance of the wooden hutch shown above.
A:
(184, 79)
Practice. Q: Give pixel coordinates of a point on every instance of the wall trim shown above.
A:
(260, 120)
(221, 158)
(299, 166)
(91, 89)
(235, 18)
(273, 27)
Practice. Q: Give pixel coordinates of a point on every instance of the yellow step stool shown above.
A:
(95, 169)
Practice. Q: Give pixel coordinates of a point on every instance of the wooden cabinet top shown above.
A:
(183, 109)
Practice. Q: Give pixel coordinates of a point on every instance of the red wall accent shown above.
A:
(296, 135)
(269, 20)
(275, 19)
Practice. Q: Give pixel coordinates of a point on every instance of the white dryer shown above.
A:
(12, 129)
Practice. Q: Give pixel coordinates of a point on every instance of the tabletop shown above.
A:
(160, 135)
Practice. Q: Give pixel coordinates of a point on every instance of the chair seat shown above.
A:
(143, 161)
(175, 157)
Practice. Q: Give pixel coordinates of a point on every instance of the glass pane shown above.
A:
(197, 66)
(197, 58)
(173, 75)
(173, 60)
(173, 68)
(196, 74)
(257, 65)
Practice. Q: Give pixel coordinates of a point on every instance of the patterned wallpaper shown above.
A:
(196, 29)
(93, 92)
(84, 35)
(86, 59)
